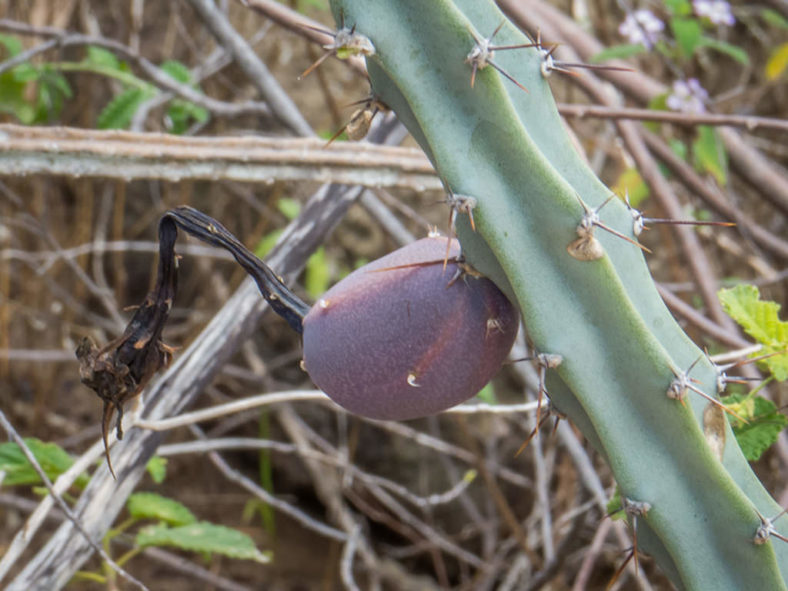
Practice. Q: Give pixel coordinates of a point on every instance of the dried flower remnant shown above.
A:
(643, 27)
(717, 11)
(119, 371)
(688, 96)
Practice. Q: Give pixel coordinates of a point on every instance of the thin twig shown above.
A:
(749, 122)
(260, 400)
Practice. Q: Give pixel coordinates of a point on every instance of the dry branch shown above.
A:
(128, 155)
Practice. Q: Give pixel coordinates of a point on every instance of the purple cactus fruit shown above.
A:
(398, 339)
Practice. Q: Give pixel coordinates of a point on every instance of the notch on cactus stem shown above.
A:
(346, 43)
(723, 379)
(639, 221)
(361, 120)
(457, 204)
(587, 247)
(482, 55)
(551, 411)
(682, 382)
(544, 361)
(766, 530)
(550, 64)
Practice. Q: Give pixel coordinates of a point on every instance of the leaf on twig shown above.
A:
(203, 537)
(148, 505)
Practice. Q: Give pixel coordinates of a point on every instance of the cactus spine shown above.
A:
(622, 350)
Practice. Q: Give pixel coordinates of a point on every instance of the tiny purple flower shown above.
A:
(688, 96)
(643, 27)
(717, 11)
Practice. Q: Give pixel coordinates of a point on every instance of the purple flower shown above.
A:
(717, 11)
(688, 96)
(643, 27)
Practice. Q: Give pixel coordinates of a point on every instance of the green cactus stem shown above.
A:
(622, 351)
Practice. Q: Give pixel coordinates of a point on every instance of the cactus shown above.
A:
(584, 294)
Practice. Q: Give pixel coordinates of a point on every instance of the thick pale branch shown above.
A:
(128, 155)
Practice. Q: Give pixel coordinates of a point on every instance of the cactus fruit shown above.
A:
(405, 336)
(621, 348)
(409, 335)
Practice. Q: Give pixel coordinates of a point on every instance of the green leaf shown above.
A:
(157, 468)
(203, 537)
(120, 110)
(267, 243)
(631, 183)
(774, 18)
(709, 154)
(289, 207)
(12, 45)
(763, 424)
(13, 99)
(687, 32)
(148, 505)
(615, 508)
(728, 49)
(98, 56)
(180, 114)
(618, 52)
(678, 7)
(52, 458)
(178, 71)
(761, 321)
(777, 62)
(318, 273)
(487, 394)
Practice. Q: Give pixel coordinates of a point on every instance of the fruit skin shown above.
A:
(398, 339)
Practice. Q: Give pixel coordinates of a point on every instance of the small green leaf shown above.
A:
(678, 7)
(53, 459)
(203, 537)
(618, 52)
(763, 424)
(12, 45)
(761, 321)
(318, 273)
(710, 155)
(774, 18)
(98, 56)
(289, 207)
(687, 32)
(120, 110)
(147, 505)
(267, 243)
(177, 70)
(615, 508)
(157, 468)
(487, 394)
(631, 183)
(728, 49)
(777, 62)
